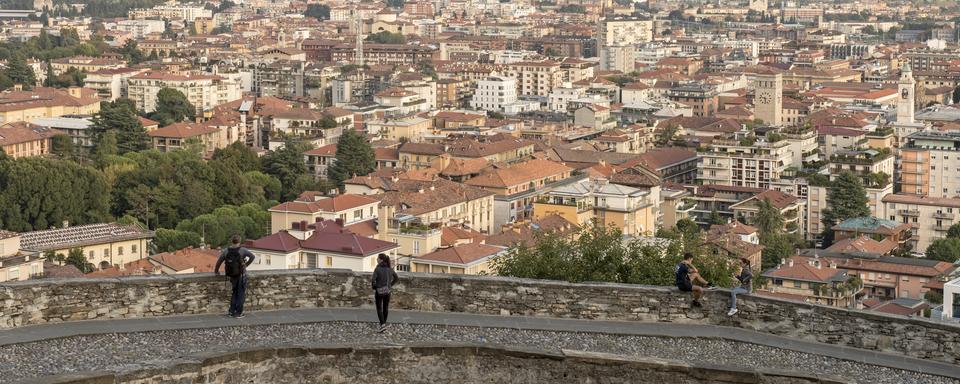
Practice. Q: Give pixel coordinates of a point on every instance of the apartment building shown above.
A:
(311, 207)
(19, 105)
(702, 97)
(463, 259)
(436, 203)
(203, 91)
(518, 186)
(401, 101)
(21, 139)
(412, 129)
(139, 29)
(632, 210)
(499, 94)
(535, 78)
(741, 163)
(929, 217)
(110, 84)
(181, 135)
(887, 277)
(930, 164)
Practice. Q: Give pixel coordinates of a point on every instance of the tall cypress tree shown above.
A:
(120, 116)
(846, 198)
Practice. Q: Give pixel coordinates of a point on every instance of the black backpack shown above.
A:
(233, 263)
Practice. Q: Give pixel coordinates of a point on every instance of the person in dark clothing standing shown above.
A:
(236, 259)
(384, 277)
(746, 285)
(686, 275)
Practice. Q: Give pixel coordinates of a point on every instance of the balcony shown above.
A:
(715, 166)
(942, 215)
(909, 212)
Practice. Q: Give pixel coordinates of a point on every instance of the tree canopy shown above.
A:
(597, 253)
(387, 37)
(172, 107)
(318, 11)
(39, 193)
(119, 117)
(355, 157)
(846, 198)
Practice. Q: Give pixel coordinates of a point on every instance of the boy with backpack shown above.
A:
(686, 274)
(236, 259)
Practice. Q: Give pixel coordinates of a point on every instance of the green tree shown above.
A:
(250, 221)
(947, 249)
(597, 253)
(51, 80)
(39, 193)
(239, 156)
(19, 72)
(287, 165)
(386, 37)
(77, 259)
(318, 11)
(355, 157)
(768, 220)
(169, 240)
(62, 146)
(120, 117)
(666, 135)
(132, 53)
(954, 231)
(172, 107)
(846, 198)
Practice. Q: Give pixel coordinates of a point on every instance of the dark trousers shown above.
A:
(382, 302)
(239, 294)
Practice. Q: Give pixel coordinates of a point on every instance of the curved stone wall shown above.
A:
(50, 301)
(429, 363)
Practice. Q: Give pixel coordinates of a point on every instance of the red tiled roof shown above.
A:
(333, 204)
(183, 130)
(462, 254)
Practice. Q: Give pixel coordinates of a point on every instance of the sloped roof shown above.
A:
(333, 204)
(464, 254)
(519, 173)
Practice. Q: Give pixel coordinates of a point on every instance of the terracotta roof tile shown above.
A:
(464, 254)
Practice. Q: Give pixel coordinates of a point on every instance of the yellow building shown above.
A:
(23, 139)
(17, 264)
(104, 245)
(85, 64)
(630, 209)
(18, 105)
(812, 280)
(469, 259)
(438, 202)
(410, 128)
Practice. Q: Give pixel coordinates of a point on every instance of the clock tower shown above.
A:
(906, 99)
(768, 98)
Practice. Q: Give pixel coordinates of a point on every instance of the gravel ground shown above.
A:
(128, 351)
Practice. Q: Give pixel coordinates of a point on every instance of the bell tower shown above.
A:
(768, 98)
(905, 103)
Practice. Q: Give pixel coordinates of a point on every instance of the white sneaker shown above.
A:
(733, 311)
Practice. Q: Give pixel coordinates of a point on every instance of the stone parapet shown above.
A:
(59, 300)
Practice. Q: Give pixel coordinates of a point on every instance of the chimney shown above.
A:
(26, 258)
(817, 264)
(66, 223)
(432, 187)
(420, 190)
(296, 226)
(303, 225)
(339, 221)
(790, 263)
(74, 91)
(18, 87)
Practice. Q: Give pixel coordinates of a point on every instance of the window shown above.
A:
(133, 249)
(119, 251)
(371, 211)
(106, 252)
(416, 247)
(905, 278)
(90, 255)
(329, 261)
(797, 284)
(358, 214)
(343, 217)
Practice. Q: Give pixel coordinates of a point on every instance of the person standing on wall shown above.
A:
(384, 277)
(235, 259)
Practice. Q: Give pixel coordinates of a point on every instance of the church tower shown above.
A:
(905, 104)
(768, 98)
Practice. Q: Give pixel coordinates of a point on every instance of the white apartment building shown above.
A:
(499, 94)
(535, 78)
(203, 91)
(744, 164)
(110, 84)
(930, 164)
(564, 94)
(617, 58)
(930, 217)
(171, 12)
(139, 28)
(625, 31)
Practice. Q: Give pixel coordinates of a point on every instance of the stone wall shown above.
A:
(429, 363)
(51, 301)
